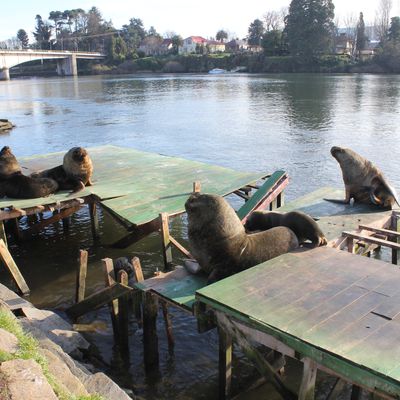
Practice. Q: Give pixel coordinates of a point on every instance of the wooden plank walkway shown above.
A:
(136, 186)
(338, 309)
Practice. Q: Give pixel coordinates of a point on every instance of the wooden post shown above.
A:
(150, 339)
(350, 244)
(338, 386)
(3, 235)
(123, 317)
(307, 386)
(65, 222)
(15, 229)
(224, 364)
(196, 187)
(137, 300)
(356, 393)
(281, 199)
(394, 227)
(94, 220)
(168, 326)
(166, 243)
(9, 263)
(81, 276)
(109, 275)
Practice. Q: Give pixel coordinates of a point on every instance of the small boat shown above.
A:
(217, 71)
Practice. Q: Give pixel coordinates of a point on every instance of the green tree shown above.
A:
(118, 50)
(221, 35)
(273, 43)
(58, 18)
(256, 31)
(152, 32)
(309, 27)
(177, 41)
(361, 39)
(23, 38)
(42, 34)
(133, 33)
(394, 29)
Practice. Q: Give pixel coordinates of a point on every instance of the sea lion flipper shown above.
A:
(78, 187)
(89, 183)
(338, 201)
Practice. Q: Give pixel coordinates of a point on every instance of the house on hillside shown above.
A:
(214, 46)
(254, 48)
(155, 46)
(191, 44)
(344, 45)
(237, 46)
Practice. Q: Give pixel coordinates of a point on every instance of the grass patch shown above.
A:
(29, 349)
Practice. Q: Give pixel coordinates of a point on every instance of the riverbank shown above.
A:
(42, 357)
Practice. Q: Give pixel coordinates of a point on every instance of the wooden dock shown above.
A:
(133, 186)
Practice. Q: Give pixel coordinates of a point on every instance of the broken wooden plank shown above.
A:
(98, 299)
(165, 240)
(180, 247)
(12, 267)
(370, 239)
(385, 232)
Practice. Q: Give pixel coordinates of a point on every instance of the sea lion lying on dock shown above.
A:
(219, 242)
(14, 184)
(363, 181)
(74, 174)
(300, 223)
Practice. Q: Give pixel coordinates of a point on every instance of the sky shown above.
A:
(185, 17)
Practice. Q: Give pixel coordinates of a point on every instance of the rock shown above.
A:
(101, 384)
(5, 125)
(12, 300)
(25, 380)
(63, 374)
(56, 329)
(8, 341)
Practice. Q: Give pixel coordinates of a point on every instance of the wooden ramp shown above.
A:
(339, 310)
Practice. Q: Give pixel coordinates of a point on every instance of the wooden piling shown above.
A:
(307, 386)
(137, 300)
(150, 339)
(168, 326)
(394, 226)
(3, 235)
(81, 276)
(224, 364)
(123, 317)
(94, 220)
(109, 275)
(165, 239)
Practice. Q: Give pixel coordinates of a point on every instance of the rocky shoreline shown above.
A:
(5, 125)
(42, 357)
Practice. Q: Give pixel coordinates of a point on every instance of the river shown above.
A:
(246, 122)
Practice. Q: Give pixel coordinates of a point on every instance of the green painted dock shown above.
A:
(338, 309)
(136, 186)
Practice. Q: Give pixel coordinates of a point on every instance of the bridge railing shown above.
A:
(50, 51)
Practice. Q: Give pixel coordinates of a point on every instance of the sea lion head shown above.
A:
(341, 154)
(8, 163)
(77, 154)
(213, 214)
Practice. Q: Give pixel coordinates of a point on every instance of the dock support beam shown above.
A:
(166, 242)
(225, 364)
(94, 220)
(307, 386)
(150, 339)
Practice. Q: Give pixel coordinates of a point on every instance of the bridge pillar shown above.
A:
(67, 66)
(4, 74)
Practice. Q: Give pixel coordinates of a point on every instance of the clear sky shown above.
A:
(185, 17)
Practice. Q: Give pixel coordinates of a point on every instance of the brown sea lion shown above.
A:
(363, 181)
(14, 184)
(219, 241)
(74, 174)
(300, 223)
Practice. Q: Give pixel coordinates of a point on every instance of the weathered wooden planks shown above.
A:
(345, 306)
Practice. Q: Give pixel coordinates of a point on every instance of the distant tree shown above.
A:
(118, 50)
(309, 27)
(42, 34)
(361, 39)
(23, 38)
(177, 41)
(152, 32)
(58, 18)
(256, 31)
(382, 19)
(273, 20)
(273, 43)
(133, 33)
(221, 35)
(394, 30)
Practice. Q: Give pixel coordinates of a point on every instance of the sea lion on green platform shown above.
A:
(300, 223)
(14, 184)
(74, 174)
(219, 242)
(363, 181)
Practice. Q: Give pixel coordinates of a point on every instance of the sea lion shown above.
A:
(363, 181)
(219, 241)
(16, 185)
(300, 223)
(74, 174)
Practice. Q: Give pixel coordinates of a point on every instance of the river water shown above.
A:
(246, 122)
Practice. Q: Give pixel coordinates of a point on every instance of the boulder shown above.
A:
(25, 380)
(5, 125)
(101, 384)
(8, 341)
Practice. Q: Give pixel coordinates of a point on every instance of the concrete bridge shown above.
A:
(66, 60)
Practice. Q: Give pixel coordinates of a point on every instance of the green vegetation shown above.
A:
(29, 349)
